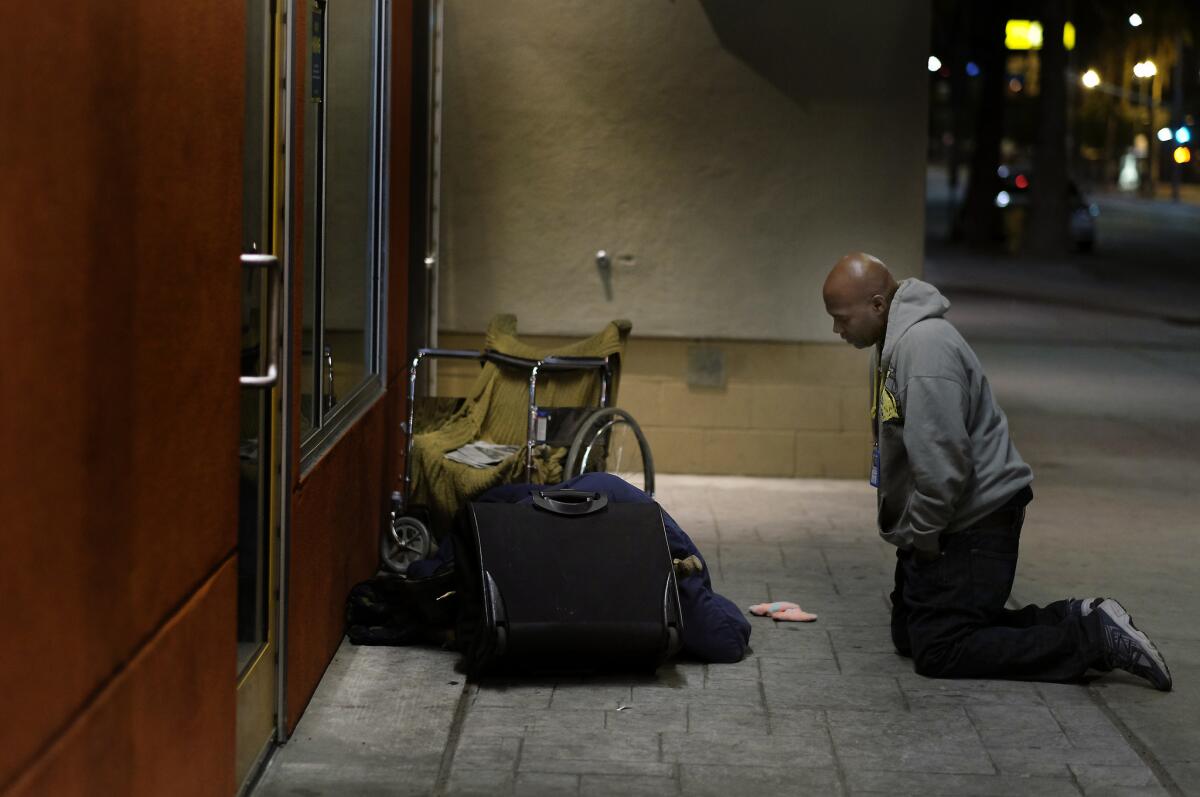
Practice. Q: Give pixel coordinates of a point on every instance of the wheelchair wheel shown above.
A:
(609, 440)
(404, 541)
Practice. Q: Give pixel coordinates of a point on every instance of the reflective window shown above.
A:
(341, 350)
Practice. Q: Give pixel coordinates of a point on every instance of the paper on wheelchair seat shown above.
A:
(481, 454)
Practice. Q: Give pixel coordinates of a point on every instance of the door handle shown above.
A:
(274, 298)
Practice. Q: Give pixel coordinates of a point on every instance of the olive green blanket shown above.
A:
(497, 410)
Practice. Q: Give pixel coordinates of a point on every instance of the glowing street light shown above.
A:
(1165, 134)
(1183, 135)
(1145, 69)
(1090, 79)
(1182, 155)
(1135, 20)
(935, 63)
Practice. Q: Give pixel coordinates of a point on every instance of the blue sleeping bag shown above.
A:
(714, 629)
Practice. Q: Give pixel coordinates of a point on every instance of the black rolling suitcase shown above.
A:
(570, 582)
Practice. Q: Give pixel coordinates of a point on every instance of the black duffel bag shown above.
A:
(569, 582)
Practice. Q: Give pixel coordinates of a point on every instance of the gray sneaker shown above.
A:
(1127, 648)
(1082, 607)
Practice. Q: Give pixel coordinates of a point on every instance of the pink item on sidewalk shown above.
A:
(782, 610)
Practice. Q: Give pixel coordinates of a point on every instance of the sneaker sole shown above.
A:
(1125, 622)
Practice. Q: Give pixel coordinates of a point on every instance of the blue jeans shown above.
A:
(949, 614)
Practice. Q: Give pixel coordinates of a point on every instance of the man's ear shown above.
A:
(879, 303)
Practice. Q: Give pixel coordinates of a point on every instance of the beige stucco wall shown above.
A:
(724, 153)
(786, 409)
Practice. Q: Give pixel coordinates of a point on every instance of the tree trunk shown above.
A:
(1049, 214)
(981, 218)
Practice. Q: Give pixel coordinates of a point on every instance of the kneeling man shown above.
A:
(952, 496)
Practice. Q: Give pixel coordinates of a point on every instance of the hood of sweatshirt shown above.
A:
(913, 301)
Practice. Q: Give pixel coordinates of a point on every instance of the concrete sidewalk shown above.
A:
(820, 708)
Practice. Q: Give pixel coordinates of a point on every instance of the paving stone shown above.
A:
(1056, 695)
(928, 740)
(741, 720)
(1186, 776)
(585, 696)
(756, 559)
(627, 786)
(738, 693)
(1169, 730)
(832, 691)
(861, 781)
(1086, 725)
(1027, 760)
(1017, 726)
(851, 611)
(513, 694)
(815, 597)
(506, 721)
(648, 718)
(487, 752)
(801, 559)
(941, 693)
(1093, 777)
(855, 663)
(705, 729)
(813, 749)
(545, 784)
(790, 531)
(793, 641)
(479, 783)
(573, 766)
(870, 639)
(1015, 761)
(605, 752)
(554, 720)
(497, 720)
(745, 670)
(706, 780)
(797, 722)
(349, 775)
(798, 667)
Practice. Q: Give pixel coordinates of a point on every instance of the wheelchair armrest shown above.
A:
(574, 363)
(549, 363)
(453, 354)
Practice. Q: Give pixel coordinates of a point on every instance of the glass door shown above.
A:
(259, 470)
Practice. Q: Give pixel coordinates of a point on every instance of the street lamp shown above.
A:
(1090, 79)
(1146, 70)
(1135, 20)
(935, 63)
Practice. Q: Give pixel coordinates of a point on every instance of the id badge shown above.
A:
(875, 466)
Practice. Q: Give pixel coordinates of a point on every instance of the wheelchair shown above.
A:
(527, 399)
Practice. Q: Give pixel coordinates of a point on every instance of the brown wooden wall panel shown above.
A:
(399, 236)
(399, 191)
(300, 75)
(339, 510)
(119, 300)
(165, 724)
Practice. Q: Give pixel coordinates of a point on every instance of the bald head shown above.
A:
(857, 293)
(859, 276)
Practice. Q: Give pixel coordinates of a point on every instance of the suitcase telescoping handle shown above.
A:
(569, 502)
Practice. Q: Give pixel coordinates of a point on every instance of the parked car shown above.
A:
(1013, 198)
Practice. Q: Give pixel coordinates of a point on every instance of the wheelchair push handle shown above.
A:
(569, 502)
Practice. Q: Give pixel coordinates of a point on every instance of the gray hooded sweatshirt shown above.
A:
(946, 460)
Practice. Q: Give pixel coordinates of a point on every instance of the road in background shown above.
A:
(1096, 361)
